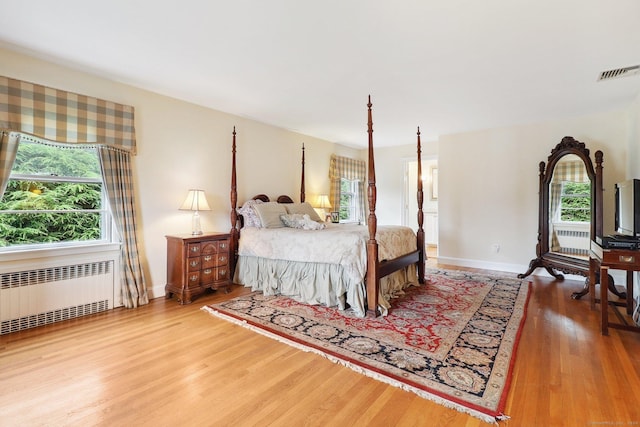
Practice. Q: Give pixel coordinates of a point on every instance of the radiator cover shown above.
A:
(37, 297)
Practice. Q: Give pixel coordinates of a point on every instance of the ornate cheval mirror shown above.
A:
(569, 212)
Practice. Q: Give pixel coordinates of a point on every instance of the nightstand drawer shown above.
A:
(208, 261)
(193, 264)
(223, 274)
(222, 259)
(207, 276)
(193, 249)
(193, 279)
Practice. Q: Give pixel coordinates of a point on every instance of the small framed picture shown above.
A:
(335, 216)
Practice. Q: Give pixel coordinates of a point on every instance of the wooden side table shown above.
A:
(600, 261)
(196, 263)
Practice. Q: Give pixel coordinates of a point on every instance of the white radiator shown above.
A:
(40, 296)
(574, 239)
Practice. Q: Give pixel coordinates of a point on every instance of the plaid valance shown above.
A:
(61, 116)
(572, 171)
(344, 167)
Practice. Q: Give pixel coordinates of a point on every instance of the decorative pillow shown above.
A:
(301, 221)
(269, 214)
(303, 208)
(249, 214)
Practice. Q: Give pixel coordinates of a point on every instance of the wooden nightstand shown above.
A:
(195, 263)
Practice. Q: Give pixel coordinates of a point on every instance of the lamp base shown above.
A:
(195, 224)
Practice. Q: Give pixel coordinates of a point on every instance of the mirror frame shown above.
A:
(552, 261)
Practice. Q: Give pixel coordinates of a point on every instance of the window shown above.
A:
(54, 196)
(575, 202)
(349, 200)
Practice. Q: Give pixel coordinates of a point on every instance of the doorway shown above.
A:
(430, 201)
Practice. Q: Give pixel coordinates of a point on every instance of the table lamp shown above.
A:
(323, 203)
(195, 201)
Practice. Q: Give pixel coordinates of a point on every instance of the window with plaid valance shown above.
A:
(61, 116)
(65, 117)
(351, 169)
(572, 171)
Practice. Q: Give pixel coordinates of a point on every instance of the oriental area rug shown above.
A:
(452, 340)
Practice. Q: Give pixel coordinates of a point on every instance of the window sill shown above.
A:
(9, 255)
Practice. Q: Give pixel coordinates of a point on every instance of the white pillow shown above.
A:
(304, 209)
(249, 214)
(269, 214)
(301, 221)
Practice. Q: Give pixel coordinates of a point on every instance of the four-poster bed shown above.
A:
(349, 271)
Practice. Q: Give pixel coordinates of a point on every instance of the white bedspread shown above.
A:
(323, 266)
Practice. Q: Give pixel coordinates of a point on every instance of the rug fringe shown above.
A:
(375, 375)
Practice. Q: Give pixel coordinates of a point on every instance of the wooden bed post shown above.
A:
(373, 280)
(233, 250)
(302, 195)
(420, 234)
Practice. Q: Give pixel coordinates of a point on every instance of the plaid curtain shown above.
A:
(555, 190)
(117, 176)
(351, 169)
(63, 116)
(8, 148)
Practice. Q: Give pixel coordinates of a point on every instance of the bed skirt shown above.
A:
(318, 283)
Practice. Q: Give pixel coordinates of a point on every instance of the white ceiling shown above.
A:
(447, 66)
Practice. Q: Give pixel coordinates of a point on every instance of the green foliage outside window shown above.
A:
(576, 202)
(347, 199)
(45, 178)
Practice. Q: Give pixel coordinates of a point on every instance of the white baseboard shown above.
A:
(485, 265)
(618, 275)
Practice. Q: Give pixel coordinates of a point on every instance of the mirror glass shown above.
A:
(570, 208)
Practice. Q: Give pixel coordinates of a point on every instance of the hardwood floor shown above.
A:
(165, 364)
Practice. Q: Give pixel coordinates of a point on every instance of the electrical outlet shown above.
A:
(495, 248)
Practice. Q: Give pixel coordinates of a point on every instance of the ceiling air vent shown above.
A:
(619, 72)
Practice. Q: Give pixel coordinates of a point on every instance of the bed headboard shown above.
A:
(283, 199)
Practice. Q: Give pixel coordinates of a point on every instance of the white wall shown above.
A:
(389, 162)
(489, 186)
(633, 142)
(182, 146)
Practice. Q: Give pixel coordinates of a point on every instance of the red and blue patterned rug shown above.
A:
(452, 340)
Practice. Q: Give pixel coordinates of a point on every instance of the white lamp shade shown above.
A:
(323, 202)
(195, 201)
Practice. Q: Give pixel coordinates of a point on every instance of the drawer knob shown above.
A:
(207, 258)
(207, 271)
(193, 278)
(194, 263)
(627, 258)
(223, 273)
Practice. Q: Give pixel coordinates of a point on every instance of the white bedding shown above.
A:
(270, 259)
